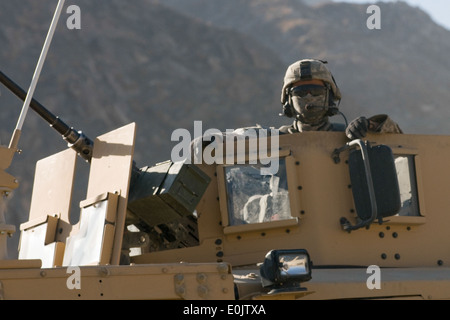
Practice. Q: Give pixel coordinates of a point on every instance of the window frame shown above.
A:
(294, 201)
(416, 173)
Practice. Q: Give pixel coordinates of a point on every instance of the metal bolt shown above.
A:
(179, 278)
(202, 291)
(180, 290)
(222, 267)
(104, 272)
(201, 277)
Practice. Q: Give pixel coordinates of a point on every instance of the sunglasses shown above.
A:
(313, 89)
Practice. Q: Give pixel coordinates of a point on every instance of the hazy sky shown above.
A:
(439, 10)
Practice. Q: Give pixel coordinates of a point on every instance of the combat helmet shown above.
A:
(309, 69)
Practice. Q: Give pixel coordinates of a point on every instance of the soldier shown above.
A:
(310, 95)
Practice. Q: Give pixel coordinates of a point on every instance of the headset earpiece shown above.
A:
(288, 110)
(332, 108)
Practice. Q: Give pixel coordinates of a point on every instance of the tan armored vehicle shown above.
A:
(337, 220)
(257, 216)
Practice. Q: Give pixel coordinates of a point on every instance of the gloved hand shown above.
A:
(357, 129)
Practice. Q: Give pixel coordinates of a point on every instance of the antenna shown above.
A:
(17, 131)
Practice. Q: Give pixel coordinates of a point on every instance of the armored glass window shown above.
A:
(256, 195)
(407, 183)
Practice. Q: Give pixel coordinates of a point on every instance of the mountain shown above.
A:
(165, 64)
(139, 62)
(379, 71)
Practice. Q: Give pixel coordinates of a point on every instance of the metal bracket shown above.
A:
(346, 225)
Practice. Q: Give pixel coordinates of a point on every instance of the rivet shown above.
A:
(201, 277)
(202, 291)
(104, 272)
(222, 267)
(178, 278)
(180, 290)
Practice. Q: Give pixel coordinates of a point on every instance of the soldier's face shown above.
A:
(309, 99)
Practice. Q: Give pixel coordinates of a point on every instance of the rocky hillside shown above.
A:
(142, 63)
(390, 70)
(165, 64)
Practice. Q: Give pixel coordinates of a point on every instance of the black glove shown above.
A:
(357, 129)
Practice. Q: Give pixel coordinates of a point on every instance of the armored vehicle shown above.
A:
(295, 216)
(338, 219)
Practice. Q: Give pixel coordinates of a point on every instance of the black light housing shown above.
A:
(284, 270)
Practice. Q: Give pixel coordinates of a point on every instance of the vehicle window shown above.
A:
(407, 184)
(255, 195)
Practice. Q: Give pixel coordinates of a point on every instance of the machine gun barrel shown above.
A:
(75, 139)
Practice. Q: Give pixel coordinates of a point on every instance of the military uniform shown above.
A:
(310, 95)
(382, 124)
